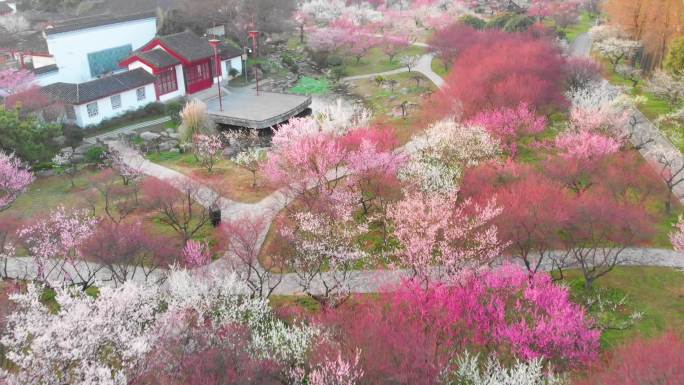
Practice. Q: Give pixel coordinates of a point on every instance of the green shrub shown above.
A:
(473, 21)
(233, 72)
(499, 21)
(288, 60)
(174, 108)
(335, 61)
(95, 155)
(26, 136)
(338, 73)
(518, 23)
(74, 136)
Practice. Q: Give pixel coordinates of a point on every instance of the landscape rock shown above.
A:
(149, 136)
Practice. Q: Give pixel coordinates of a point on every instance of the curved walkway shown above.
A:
(423, 66)
(361, 281)
(655, 147)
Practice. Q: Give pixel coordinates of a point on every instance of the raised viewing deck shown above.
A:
(243, 108)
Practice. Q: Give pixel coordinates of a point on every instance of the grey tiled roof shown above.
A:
(158, 57)
(70, 93)
(45, 69)
(95, 21)
(188, 45)
(229, 52)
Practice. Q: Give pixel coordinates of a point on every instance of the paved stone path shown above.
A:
(652, 143)
(361, 281)
(423, 66)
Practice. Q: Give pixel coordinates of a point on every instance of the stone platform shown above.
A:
(244, 108)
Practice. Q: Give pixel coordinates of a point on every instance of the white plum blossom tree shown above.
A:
(445, 149)
(469, 371)
(106, 339)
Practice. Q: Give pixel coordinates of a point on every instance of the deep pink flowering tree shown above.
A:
(511, 312)
(196, 254)
(510, 124)
(14, 179)
(439, 235)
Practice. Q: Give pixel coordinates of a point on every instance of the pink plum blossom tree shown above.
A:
(54, 243)
(14, 179)
(440, 236)
(586, 145)
(207, 149)
(677, 236)
(243, 237)
(391, 45)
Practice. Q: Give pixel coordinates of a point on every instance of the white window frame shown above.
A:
(93, 109)
(115, 106)
(141, 94)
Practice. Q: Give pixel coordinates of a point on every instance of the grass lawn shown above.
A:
(377, 61)
(311, 86)
(48, 193)
(384, 101)
(226, 178)
(586, 21)
(438, 67)
(656, 292)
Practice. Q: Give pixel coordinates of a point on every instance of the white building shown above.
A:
(103, 64)
(90, 103)
(87, 48)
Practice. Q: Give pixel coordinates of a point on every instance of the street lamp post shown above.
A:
(214, 44)
(244, 64)
(254, 35)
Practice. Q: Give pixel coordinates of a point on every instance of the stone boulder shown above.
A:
(149, 136)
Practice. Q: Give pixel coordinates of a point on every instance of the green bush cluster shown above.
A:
(29, 138)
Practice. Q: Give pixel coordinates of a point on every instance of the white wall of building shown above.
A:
(219, 30)
(129, 102)
(71, 49)
(234, 63)
(42, 61)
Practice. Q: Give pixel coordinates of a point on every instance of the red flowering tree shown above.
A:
(642, 361)
(598, 231)
(484, 77)
(127, 250)
(409, 336)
